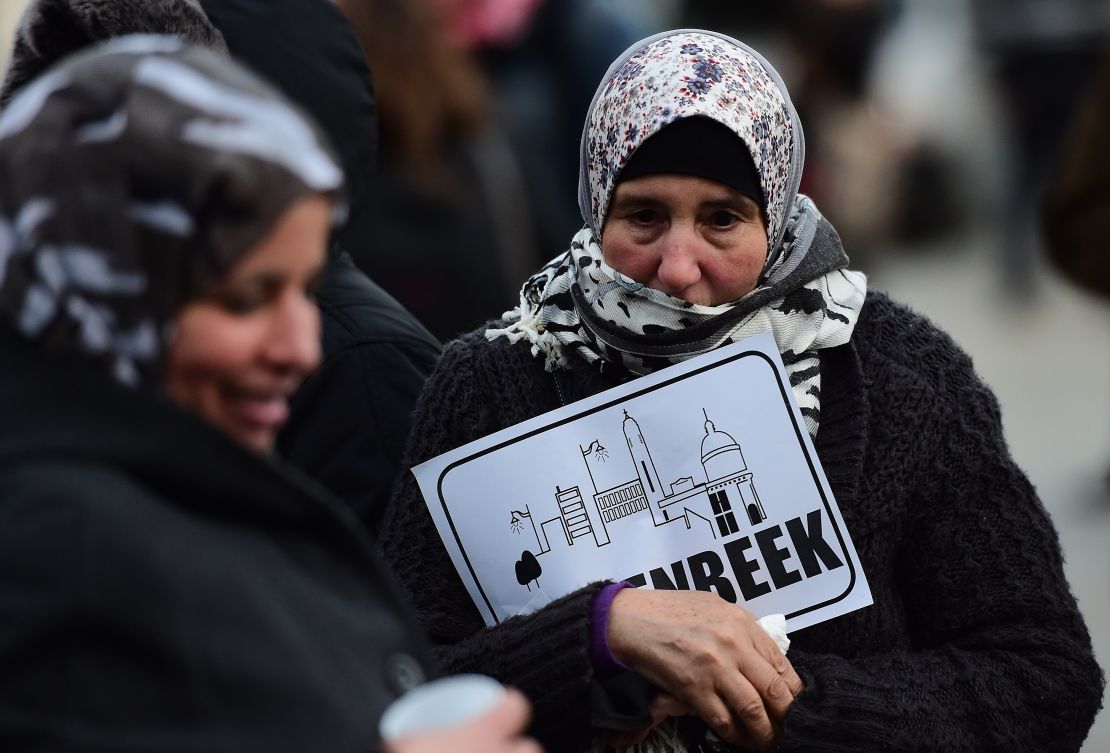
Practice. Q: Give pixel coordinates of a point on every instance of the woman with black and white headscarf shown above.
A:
(165, 583)
(695, 237)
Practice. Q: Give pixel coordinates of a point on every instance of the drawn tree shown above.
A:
(528, 569)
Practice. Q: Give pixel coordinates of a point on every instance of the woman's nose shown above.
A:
(294, 343)
(678, 261)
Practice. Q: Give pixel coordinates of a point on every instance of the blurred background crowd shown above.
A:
(949, 141)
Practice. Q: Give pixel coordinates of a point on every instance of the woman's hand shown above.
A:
(709, 655)
(498, 730)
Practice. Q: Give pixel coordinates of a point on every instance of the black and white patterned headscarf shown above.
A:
(806, 297)
(132, 178)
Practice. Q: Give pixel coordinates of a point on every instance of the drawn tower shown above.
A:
(730, 484)
(652, 487)
(577, 517)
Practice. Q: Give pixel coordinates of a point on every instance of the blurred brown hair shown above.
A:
(429, 93)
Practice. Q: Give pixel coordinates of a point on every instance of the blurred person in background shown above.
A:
(697, 236)
(478, 125)
(1042, 53)
(350, 418)
(452, 221)
(540, 94)
(165, 583)
(1077, 203)
(1076, 210)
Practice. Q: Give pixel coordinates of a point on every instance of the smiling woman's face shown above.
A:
(238, 354)
(690, 237)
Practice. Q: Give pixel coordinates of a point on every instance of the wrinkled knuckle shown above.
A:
(752, 709)
(709, 659)
(738, 649)
(778, 690)
(687, 679)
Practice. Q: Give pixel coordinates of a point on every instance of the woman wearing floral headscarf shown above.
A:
(696, 236)
(165, 584)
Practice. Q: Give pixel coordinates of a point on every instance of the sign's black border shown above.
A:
(797, 432)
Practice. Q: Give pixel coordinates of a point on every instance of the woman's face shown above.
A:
(238, 354)
(692, 238)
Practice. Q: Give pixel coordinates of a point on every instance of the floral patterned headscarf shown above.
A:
(681, 74)
(132, 178)
(578, 307)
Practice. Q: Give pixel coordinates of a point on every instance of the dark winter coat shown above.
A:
(974, 641)
(164, 589)
(351, 417)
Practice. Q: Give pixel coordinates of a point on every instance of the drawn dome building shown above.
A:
(720, 454)
(729, 483)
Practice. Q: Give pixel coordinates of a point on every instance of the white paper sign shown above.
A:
(701, 475)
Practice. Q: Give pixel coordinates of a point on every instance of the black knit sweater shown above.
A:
(974, 642)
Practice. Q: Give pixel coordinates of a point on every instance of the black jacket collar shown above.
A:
(56, 410)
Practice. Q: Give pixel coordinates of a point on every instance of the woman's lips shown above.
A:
(260, 410)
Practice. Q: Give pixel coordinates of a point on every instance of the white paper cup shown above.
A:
(446, 702)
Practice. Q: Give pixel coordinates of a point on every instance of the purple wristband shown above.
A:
(601, 657)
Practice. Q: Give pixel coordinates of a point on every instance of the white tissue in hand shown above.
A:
(775, 626)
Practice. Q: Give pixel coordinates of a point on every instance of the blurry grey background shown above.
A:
(915, 157)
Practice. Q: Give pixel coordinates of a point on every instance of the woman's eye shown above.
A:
(643, 217)
(723, 219)
(239, 302)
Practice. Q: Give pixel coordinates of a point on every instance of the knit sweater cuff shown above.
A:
(601, 657)
(806, 727)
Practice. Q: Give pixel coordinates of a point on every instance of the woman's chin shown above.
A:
(260, 439)
(254, 422)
